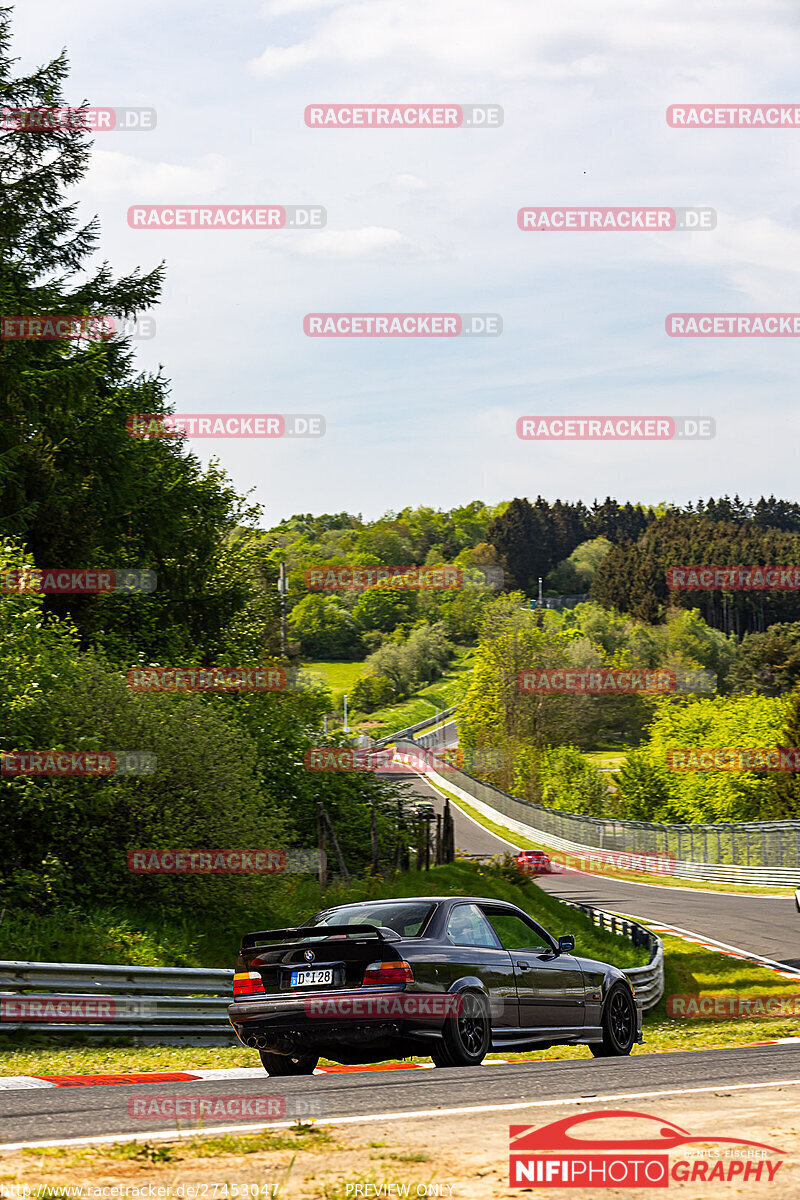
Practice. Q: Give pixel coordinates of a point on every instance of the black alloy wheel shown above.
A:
(466, 1038)
(619, 1024)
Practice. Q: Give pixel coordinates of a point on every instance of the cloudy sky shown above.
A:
(425, 221)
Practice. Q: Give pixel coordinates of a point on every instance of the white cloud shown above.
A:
(112, 172)
(370, 242)
(280, 8)
(511, 40)
(410, 183)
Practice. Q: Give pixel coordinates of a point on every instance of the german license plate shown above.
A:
(306, 978)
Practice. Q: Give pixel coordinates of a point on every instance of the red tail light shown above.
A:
(388, 972)
(246, 983)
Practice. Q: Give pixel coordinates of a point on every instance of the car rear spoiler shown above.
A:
(251, 941)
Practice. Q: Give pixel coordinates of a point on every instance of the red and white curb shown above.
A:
(10, 1083)
(686, 935)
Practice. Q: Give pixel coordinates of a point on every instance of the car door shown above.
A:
(473, 949)
(550, 986)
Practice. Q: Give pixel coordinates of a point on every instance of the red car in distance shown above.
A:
(533, 862)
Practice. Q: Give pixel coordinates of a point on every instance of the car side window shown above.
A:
(516, 934)
(467, 926)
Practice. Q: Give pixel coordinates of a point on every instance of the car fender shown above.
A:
(471, 983)
(600, 977)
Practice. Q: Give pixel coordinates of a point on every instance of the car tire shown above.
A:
(285, 1064)
(467, 1038)
(619, 1025)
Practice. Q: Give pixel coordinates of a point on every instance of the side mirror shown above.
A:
(566, 944)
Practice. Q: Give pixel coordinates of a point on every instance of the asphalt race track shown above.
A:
(757, 924)
(89, 1112)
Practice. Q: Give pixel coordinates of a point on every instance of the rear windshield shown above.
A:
(405, 919)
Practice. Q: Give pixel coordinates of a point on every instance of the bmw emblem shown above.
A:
(308, 955)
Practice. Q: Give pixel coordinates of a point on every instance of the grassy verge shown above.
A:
(303, 1136)
(525, 843)
(605, 758)
(425, 703)
(338, 677)
(108, 936)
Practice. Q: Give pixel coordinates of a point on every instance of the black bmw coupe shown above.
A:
(450, 977)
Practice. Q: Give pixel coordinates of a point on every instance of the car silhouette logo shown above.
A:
(308, 955)
(664, 1135)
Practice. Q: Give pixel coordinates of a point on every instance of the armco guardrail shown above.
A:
(770, 849)
(148, 1004)
(648, 981)
(411, 729)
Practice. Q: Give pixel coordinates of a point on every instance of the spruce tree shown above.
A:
(75, 487)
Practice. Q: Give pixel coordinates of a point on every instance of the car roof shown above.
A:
(424, 900)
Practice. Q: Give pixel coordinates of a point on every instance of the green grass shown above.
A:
(106, 935)
(425, 703)
(339, 677)
(605, 758)
(302, 1136)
